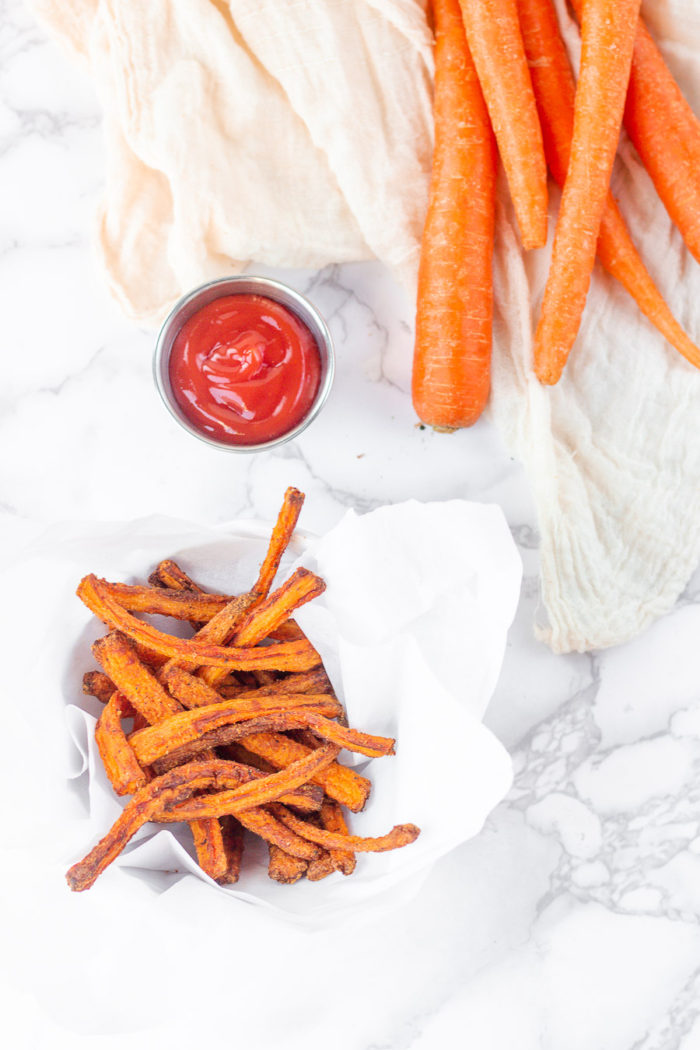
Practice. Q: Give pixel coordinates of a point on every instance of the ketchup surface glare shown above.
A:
(244, 369)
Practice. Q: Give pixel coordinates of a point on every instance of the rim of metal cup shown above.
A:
(242, 284)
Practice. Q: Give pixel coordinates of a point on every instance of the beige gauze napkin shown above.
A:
(299, 133)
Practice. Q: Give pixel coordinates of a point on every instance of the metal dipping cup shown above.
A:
(243, 285)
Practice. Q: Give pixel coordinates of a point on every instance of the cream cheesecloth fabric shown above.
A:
(298, 133)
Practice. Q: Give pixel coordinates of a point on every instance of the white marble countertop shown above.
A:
(572, 920)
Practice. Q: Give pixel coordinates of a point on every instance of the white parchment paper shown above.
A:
(412, 628)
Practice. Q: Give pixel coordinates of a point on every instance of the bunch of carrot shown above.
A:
(503, 82)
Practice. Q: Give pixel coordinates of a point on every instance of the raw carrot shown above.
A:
(608, 29)
(665, 133)
(493, 35)
(555, 89)
(451, 365)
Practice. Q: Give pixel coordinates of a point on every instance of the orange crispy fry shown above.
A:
(182, 605)
(279, 541)
(219, 738)
(97, 684)
(332, 819)
(193, 691)
(184, 728)
(285, 656)
(339, 782)
(209, 843)
(121, 764)
(300, 588)
(218, 803)
(283, 867)
(168, 573)
(117, 656)
(181, 783)
(232, 831)
(320, 868)
(400, 835)
(316, 681)
(352, 739)
(190, 690)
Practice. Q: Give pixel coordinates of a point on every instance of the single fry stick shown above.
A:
(279, 541)
(493, 35)
(209, 843)
(97, 684)
(454, 312)
(193, 691)
(283, 867)
(168, 573)
(320, 868)
(332, 819)
(182, 605)
(555, 90)
(339, 782)
(608, 29)
(352, 739)
(316, 681)
(222, 737)
(219, 803)
(118, 657)
(232, 831)
(190, 690)
(121, 764)
(185, 727)
(285, 656)
(400, 835)
(300, 588)
(181, 783)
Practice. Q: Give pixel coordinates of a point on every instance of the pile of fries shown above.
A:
(235, 728)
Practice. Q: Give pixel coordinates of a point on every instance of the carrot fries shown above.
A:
(213, 721)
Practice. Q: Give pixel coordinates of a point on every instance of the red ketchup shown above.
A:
(244, 369)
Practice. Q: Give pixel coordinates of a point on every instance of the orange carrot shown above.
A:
(665, 133)
(555, 89)
(608, 29)
(493, 35)
(451, 365)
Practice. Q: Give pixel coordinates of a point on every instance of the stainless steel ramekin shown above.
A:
(243, 285)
